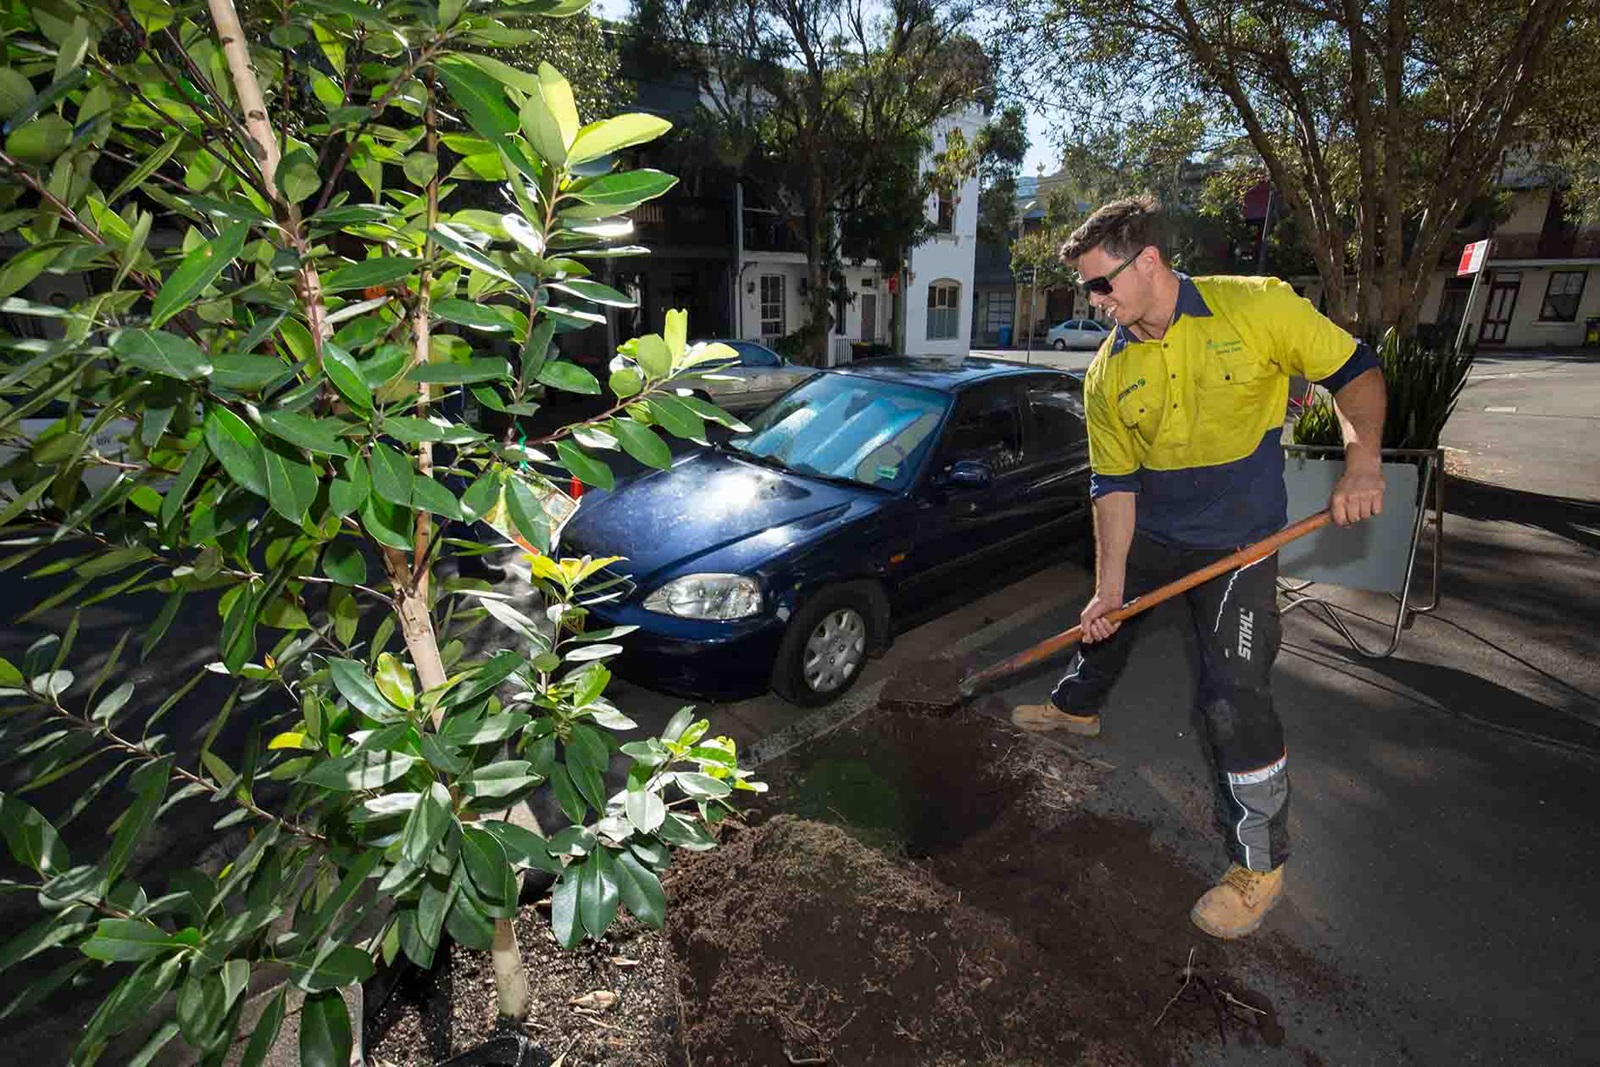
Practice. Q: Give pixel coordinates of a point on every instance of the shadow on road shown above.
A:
(1576, 520)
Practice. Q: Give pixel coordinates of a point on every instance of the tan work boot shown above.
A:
(1236, 905)
(1041, 718)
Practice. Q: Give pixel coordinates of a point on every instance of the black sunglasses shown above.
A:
(1102, 284)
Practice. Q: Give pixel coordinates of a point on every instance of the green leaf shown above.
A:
(429, 495)
(564, 917)
(366, 769)
(685, 833)
(479, 95)
(297, 174)
(34, 843)
(487, 865)
(499, 779)
(524, 848)
(237, 448)
(161, 353)
(569, 377)
(420, 168)
(584, 467)
(484, 317)
(291, 482)
(344, 562)
(624, 189)
(202, 1003)
(626, 382)
(473, 370)
(557, 95)
(387, 523)
(243, 372)
(313, 435)
(653, 355)
(40, 140)
(149, 785)
(394, 682)
(645, 810)
(598, 894)
(370, 272)
(676, 333)
(526, 514)
(344, 965)
(126, 941)
(426, 825)
(543, 130)
(468, 926)
(642, 444)
(349, 488)
(567, 795)
(595, 293)
(350, 678)
(640, 890)
(676, 417)
(392, 475)
(608, 135)
(324, 1031)
(587, 760)
(198, 270)
(151, 162)
(265, 1034)
(702, 786)
(345, 374)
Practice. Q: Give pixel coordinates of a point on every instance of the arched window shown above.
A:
(944, 309)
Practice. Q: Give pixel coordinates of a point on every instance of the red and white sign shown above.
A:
(1472, 258)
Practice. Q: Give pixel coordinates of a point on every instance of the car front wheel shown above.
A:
(1061, 345)
(826, 646)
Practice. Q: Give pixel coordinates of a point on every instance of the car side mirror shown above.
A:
(968, 474)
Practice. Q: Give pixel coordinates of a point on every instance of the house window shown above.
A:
(1562, 296)
(945, 217)
(773, 287)
(944, 310)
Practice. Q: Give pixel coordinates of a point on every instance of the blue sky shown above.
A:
(1040, 149)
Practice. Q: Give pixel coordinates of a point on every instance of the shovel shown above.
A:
(917, 693)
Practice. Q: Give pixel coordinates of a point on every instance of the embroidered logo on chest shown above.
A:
(1130, 389)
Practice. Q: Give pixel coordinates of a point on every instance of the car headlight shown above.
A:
(707, 596)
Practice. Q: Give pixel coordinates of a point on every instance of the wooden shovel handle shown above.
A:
(1067, 638)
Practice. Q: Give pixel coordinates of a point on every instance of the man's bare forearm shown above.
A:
(1361, 403)
(1113, 534)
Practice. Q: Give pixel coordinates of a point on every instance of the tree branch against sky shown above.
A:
(1378, 123)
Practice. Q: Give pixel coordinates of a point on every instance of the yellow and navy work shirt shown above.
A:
(1193, 422)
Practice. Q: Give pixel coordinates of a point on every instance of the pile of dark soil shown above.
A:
(964, 910)
(914, 890)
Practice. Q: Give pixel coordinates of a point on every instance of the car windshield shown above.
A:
(843, 426)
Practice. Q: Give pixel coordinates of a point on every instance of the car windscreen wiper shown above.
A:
(763, 460)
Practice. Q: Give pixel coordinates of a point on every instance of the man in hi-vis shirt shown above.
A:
(1185, 405)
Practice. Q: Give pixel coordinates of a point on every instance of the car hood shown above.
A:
(663, 521)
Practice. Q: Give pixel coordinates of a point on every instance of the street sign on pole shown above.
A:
(1473, 258)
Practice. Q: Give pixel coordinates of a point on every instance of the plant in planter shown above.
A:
(1424, 381)
(300, 235)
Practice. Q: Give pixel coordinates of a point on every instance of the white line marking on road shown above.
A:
(1501, 411)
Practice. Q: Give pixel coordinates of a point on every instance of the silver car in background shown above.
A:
(1076, 333)
(758, 378)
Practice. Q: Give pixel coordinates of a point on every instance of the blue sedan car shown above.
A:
(862, 498)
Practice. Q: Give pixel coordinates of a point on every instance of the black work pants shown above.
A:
(1235, 622)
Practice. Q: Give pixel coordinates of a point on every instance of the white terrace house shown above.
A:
(937, 285)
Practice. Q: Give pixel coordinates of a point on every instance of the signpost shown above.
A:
(1473, 258)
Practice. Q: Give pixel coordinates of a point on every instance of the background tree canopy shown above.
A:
(1377, 123)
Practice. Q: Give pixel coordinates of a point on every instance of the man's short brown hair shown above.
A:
(1123, 228)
